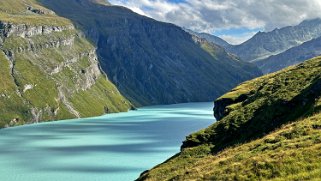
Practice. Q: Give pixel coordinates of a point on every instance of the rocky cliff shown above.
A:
(265, 44)
(48, 69)
(290, 57)
(153, 62)
(268, 129)
(211, 38)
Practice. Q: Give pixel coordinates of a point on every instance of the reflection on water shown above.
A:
(110, 147)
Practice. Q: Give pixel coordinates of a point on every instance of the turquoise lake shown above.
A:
(111, 147)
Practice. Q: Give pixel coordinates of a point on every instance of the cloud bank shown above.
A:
(213, 16)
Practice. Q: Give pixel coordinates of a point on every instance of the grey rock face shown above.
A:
(153, 62)
(85, 79)
(265, 44)
(49, 70)
(27, 31)
(290, 57)
(211, 38)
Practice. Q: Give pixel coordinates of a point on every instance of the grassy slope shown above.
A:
(274, 133)
(11, 104)
(15, 11)
(227, 60)
(34, 67)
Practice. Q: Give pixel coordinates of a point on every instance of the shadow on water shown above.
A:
(92, 169)
(84, 145)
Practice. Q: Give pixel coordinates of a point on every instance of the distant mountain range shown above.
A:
(264, 44)
(277, 49)
(292, 56)
(153, 62)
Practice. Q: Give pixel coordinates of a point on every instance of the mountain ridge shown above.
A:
(211, 38)
(265, 44)
(291, 56)
(151, 62)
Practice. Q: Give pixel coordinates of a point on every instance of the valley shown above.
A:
(145, 90)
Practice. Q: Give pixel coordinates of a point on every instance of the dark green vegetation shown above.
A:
(48, 70)
(153, 62)
(268, 129)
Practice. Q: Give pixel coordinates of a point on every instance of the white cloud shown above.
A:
(216, 15)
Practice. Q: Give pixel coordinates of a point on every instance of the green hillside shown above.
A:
(49, 71)
(268, 129)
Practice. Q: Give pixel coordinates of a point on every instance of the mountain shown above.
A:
(267, 129)
(153, 62)
(265, 44)
(102, 2)
(290, 57)
(211, 38)
(49, 71)
(229, 60)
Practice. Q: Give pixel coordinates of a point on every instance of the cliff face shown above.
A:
(265, 44)
(49, 70)
(211, 38)
(267, 129)
(153, 62)
(290, 57)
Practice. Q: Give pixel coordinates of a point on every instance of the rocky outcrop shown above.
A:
(221, 105)
(210, 38)
(49, 70)
(65, 101)
(40, 11)
(8, 29)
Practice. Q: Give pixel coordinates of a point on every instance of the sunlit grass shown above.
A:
(274, 133)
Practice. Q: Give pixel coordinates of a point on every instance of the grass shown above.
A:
(16, 12)
(34, 68)
(290, 152)
(102, 98)
(35, 60)
(44, 87)
(271, 134)
(268, 98)
(11, 105)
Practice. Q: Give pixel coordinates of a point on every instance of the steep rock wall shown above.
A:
(49, 70)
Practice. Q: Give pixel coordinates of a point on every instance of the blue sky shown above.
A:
(176, 1)
(233, 20)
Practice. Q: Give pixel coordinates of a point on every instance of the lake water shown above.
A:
(110, 147)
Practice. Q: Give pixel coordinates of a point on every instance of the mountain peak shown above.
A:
(264, 44)
(209, 37)
(310, 22)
